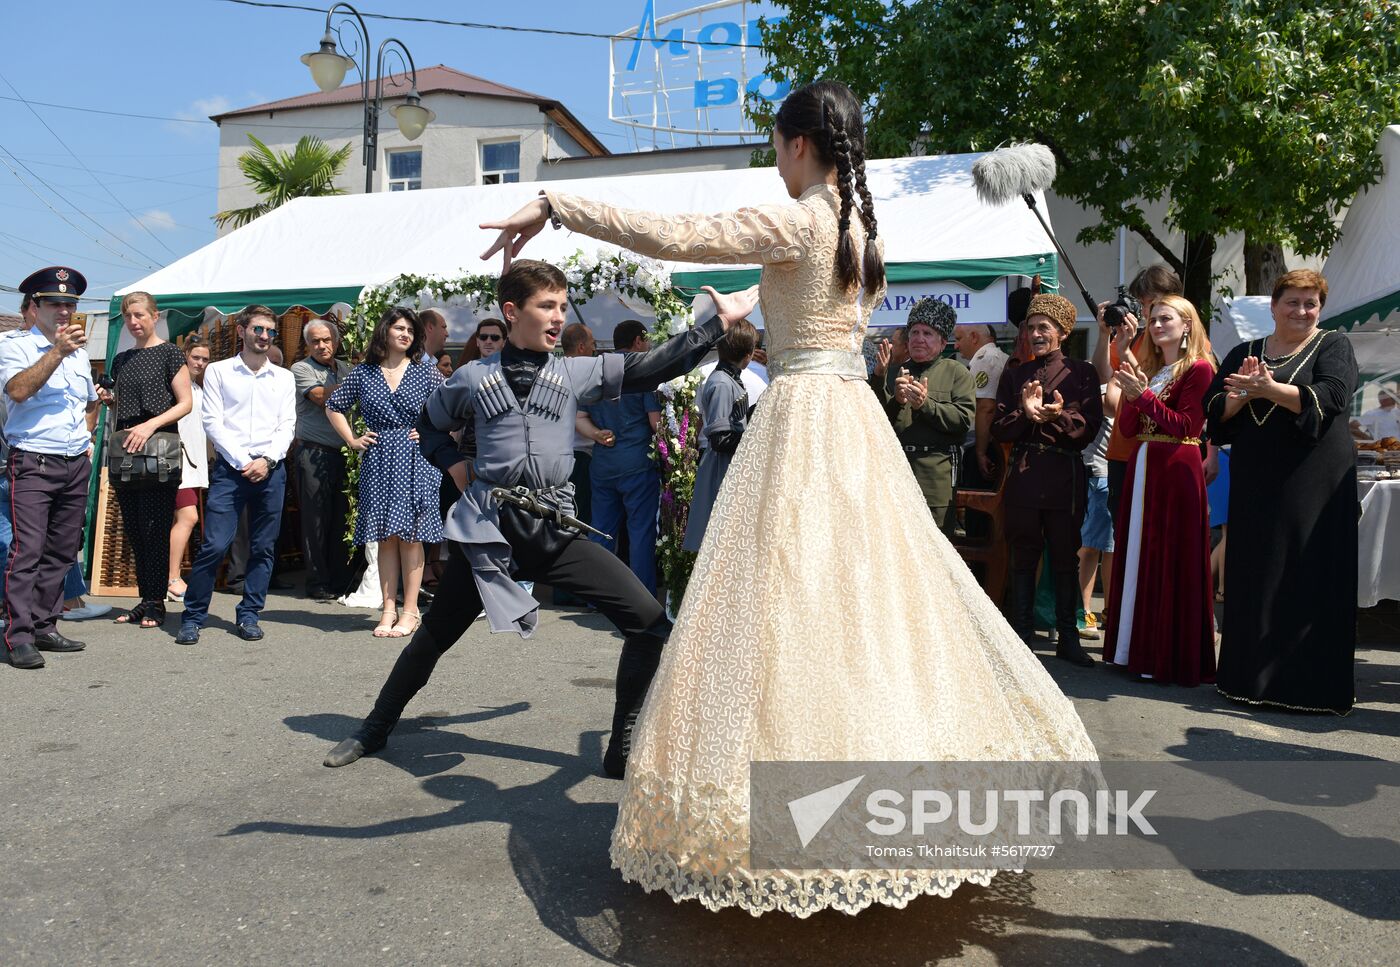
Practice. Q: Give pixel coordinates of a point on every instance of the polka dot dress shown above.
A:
(398, 495)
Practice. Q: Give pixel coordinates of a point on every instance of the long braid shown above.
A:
(846, 270)
(873, 265)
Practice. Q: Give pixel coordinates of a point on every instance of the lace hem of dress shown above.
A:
(693, 844)
(849, 892)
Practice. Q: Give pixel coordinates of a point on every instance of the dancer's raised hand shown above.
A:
(732, 306)
(516, 230)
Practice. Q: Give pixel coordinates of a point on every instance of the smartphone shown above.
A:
(83, 319)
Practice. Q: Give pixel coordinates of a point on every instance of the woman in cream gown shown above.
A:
(827, 618)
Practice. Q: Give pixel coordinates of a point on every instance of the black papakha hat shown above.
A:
(934, 313)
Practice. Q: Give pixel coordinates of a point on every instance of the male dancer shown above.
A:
(523, 402)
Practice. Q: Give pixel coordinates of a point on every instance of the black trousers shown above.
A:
(324, 509)
(48, 500)
(1117, 476)
(146, 518)
(582, 567)
(1030, 529)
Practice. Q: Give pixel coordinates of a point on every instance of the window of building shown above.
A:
(406, 170)
(500, 163)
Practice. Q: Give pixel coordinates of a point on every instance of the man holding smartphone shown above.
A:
(47, 380)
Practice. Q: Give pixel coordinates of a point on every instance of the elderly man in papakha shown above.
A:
(1049, 410)
(930, 402)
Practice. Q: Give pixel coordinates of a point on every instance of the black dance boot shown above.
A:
(1023, 605)
(1067, 600)
(635, 669)
(414, 666)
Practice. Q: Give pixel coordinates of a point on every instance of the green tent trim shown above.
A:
(186, 311)
(973, 273)
(1381, 308)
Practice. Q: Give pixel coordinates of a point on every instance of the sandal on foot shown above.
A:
(407, 624)
(154, 616)
(172, 595)
(385, 628)
(134, 616)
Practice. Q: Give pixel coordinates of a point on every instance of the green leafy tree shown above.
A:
(309, 170)
(1258, 116)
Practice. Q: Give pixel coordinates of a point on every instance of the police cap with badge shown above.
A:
(56, 283)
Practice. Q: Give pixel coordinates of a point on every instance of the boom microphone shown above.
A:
(1019, 171)
(1013, 172)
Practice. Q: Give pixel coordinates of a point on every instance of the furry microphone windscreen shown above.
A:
(1012, 172)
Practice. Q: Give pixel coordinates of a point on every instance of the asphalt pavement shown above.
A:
(166, 805)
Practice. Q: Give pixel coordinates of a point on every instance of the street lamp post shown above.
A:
(329, 67)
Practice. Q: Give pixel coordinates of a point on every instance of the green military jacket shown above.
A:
(943, 421)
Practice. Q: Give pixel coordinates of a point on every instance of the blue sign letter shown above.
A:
(781, 89)
(716, 93)
(646, 30)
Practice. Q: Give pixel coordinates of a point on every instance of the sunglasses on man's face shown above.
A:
(267, 331)
(488, 337)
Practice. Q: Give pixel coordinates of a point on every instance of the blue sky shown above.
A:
(152, 186)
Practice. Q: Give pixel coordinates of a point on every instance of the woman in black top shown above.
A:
(152, 393)
(1289, 634)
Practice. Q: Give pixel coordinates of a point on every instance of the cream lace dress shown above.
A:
(827, 617)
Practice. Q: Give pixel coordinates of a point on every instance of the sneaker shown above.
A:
(189, 635)
(86, 613)
(1090, 631)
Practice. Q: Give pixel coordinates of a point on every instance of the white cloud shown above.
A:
(156, 220)
(200, 109)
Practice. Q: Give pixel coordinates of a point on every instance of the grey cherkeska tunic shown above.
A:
(532, 444)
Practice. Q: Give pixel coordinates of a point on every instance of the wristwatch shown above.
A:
(271, 463)
(550, 213)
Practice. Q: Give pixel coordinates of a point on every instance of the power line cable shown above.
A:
(260, 124)
(134, 217)
(81, 298)
(66, 219)
(485, 26)
(17, 240)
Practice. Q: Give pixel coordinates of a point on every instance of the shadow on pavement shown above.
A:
(558, 851)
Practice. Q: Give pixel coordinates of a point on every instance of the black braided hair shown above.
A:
(872, 265)
(828, 115)
(846, 269)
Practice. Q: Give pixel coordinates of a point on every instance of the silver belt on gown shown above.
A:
(827, 362)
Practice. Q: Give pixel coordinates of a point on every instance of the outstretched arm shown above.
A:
(680, 354)
(764, 235)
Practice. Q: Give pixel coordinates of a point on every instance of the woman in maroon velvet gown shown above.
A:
(1161, 621)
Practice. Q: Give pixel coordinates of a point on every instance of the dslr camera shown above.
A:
(1124, 305)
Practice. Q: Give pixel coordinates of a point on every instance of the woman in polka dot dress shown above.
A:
(398, 495)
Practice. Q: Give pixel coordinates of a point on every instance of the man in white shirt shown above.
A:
(249, 416)
(977, 345)
(1383, 421)
(434, 335)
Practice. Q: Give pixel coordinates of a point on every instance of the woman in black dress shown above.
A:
(1289, 634)
(152, 393)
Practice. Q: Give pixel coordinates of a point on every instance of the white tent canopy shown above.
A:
(1363, 268)
(929, 216)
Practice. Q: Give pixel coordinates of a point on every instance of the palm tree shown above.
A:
(309, 170)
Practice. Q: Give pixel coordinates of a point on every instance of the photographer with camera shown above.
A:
(1120, 332)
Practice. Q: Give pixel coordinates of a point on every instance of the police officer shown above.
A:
(47, 381)
(930, 402)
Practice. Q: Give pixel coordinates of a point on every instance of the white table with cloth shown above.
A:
(1379, 574)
